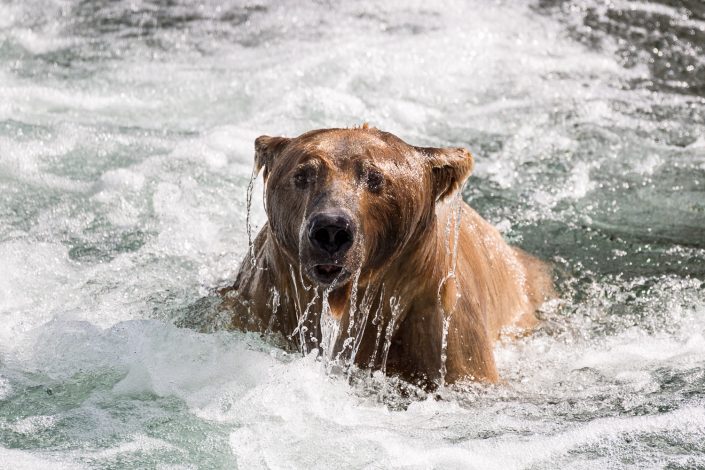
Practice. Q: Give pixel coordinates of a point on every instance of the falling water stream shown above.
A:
(126, 151)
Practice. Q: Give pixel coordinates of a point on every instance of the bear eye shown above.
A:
(375, 180)
(304, 178)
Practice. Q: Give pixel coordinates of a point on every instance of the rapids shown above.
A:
(126, 151)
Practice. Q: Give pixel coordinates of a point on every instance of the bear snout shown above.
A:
(331, 234)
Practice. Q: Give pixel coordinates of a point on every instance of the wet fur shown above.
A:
(411, 274)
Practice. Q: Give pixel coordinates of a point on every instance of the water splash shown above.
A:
(345, 354)
(330, 328)
(301, 314)
(303, 319)
(248, 216)
(379, 323)
(274, 302)
(395, 309)
(449, 277)
(365, 308)
(615, 379)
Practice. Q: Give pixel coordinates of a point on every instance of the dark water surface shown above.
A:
(126, 133)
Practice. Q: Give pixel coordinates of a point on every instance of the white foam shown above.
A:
(29, 99)
(32, 275)
(200, 150)
(648, 165)
(26, 160)
(122, 179)
(21, 460)
(33, 424)
(8, 15)
(501, 455)
(172, 134)
(40, 43)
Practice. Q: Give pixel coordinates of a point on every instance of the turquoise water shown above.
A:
(126, 146)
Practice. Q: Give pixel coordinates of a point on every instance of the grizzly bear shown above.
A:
(371, 257)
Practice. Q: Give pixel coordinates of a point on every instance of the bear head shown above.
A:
(344, 203)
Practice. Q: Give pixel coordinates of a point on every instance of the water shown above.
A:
(126, 136)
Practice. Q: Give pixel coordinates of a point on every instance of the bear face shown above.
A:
(344, 203)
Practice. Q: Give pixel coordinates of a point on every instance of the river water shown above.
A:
(126, 146)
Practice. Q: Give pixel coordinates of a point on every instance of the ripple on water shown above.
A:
(126, 135)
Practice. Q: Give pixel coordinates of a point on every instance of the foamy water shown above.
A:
(126, 147)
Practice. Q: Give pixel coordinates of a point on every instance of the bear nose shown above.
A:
(331, 232)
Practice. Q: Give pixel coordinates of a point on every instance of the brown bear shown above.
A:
(370, 255)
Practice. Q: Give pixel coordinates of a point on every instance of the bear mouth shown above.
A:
(328, 274)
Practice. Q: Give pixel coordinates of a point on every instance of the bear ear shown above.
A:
(449, 167)
(266, 150)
